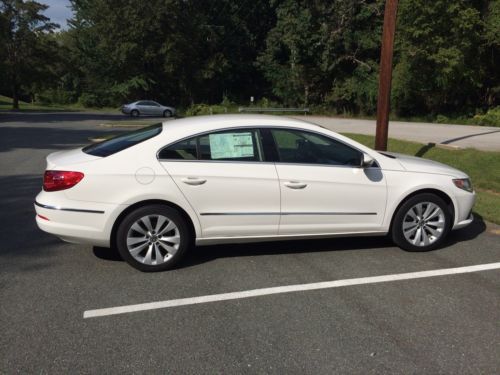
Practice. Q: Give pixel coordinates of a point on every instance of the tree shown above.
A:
(324, 52)
(26, 44)
(437, 47)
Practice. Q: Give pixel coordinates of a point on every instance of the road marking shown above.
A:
(285, 289)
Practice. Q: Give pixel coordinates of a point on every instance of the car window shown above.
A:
(231, 145)
(185, 150)
(123, 141)
(141, 103)
(296, 146)
(152, 104)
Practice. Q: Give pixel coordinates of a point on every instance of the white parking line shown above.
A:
(286, 289)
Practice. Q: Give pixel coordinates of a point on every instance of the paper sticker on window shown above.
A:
(231, 145)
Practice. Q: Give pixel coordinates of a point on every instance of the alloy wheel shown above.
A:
(424, 224)
(153, 239)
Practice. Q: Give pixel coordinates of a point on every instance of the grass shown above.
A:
(482, 166)
(6, 105)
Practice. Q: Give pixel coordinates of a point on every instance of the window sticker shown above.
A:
(231, 145)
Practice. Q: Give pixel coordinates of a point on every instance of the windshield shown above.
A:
(123, 141)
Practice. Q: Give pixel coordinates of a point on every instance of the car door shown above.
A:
(143, 108)
(155, 109)
(224, 178)
(323, 187)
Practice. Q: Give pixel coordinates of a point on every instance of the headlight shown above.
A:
(463, 183)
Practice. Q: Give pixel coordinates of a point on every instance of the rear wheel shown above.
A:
(134, 113)
(421, 223)
(153, 238)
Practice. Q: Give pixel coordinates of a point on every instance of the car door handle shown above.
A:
(193, 181)
(295, 185)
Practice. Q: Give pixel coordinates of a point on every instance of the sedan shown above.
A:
(154, 192)
(148, 108)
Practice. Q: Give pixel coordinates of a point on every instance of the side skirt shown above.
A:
(249, 239)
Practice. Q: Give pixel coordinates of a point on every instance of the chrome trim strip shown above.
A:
(68, 209)
(283, 213)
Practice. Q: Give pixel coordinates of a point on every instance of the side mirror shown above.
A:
(367, 161)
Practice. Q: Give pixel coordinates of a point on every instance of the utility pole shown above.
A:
(385, 78)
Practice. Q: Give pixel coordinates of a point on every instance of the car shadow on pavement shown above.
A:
(203, 254)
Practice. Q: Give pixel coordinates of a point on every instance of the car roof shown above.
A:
(198, 124)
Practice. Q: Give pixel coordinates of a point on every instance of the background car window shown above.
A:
(152, 104)
(295, 146)
(234, 145)
(185, 150)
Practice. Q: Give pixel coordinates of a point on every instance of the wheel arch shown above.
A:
(440, 193)
(147, 202)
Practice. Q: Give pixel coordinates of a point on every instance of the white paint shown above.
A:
(286, 289)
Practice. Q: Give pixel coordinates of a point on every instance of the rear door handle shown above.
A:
(194, 181)
(295, 185)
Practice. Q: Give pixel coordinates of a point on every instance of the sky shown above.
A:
(58, 11)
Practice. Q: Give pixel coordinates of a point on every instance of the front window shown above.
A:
(302, 147)
(123, 141)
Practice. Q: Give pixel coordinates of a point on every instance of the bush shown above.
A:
(490, 118)
(205, 109)
(89, 100)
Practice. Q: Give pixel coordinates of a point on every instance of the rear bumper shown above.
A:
(75, 221)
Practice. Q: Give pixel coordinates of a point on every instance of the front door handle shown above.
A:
(194, 181)
(295, 185)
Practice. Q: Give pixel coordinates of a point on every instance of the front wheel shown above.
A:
(167, 113)
(421, 223)
(153, 238)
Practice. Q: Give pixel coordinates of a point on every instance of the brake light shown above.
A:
(60, 180)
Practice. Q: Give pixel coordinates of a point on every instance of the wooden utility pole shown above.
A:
(384, 86)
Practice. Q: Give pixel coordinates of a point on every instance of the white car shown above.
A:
(154, 192)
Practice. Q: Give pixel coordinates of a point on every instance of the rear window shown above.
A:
(123, 141)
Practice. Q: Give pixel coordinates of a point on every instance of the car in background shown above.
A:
(147, 108)
(153, 192)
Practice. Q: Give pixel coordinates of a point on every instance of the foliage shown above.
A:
(321, 54)
(490, 118)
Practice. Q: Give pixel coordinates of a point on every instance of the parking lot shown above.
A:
(442, 323)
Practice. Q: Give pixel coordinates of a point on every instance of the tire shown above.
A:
(426, 219)
(144, 248)
(134, 113)
(167, 113)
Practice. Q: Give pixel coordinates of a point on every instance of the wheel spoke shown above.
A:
(158, 256)
(437, 211)
(147, 222)
(170, 249)
(170, 226)
(174, 239)
(159, 223)
(147, 258)
(136, 250)
(138, 228)
(135, 240)
(433, 231)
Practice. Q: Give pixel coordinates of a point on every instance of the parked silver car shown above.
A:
(147, 108)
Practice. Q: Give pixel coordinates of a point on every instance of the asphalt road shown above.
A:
(485, 138)
(444, 324)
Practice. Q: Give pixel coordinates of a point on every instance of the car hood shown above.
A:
(416, 164)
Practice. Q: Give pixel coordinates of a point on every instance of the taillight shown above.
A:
(60, 180)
